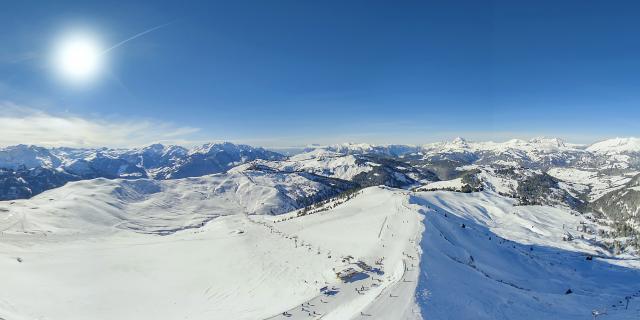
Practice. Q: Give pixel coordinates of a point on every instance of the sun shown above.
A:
(78, 57)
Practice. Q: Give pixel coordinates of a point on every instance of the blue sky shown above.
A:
(280, 73)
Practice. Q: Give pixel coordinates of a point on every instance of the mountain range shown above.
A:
(601, 178)
(537, 229)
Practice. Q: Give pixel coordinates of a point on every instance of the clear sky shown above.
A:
(280, 73)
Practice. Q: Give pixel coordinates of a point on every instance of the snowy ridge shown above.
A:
(27, 156)
(323, 162)
(344, 161)
(485, 259)
(453, 184)
(534, 145)
(160, 207)
(616, 146)
(596, 183)
(366, 148)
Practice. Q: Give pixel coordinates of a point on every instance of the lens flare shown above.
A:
(78, 57)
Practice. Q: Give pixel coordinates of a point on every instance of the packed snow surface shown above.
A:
(454, 184)
(210, 248)
(484, 258)
(100, 249)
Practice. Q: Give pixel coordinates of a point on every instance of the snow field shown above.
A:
(77, 256)
(483, 258)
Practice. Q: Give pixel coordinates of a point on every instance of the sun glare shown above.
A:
(78, 57)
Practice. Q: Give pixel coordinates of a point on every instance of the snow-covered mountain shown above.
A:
(541, 171)
(24, 183)
(513, 230)
(528, 186)
(623, 204)
(484, 258)
(56, 166)
(616, 146)
(104, 165)
(365, 169)
(535, 153)
(155, 156)
(593, 179)
(393, 150)
(538, 171)
(213, 158)
(166, 206)
(28, 157)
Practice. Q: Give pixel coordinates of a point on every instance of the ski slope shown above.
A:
(509, 262)
(377, 225)
(77, 256)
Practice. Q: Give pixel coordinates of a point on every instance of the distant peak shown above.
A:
(155, 147)
(459, 140)
(516, 142)
(616, 145)
(24, 147)
(556, 142)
